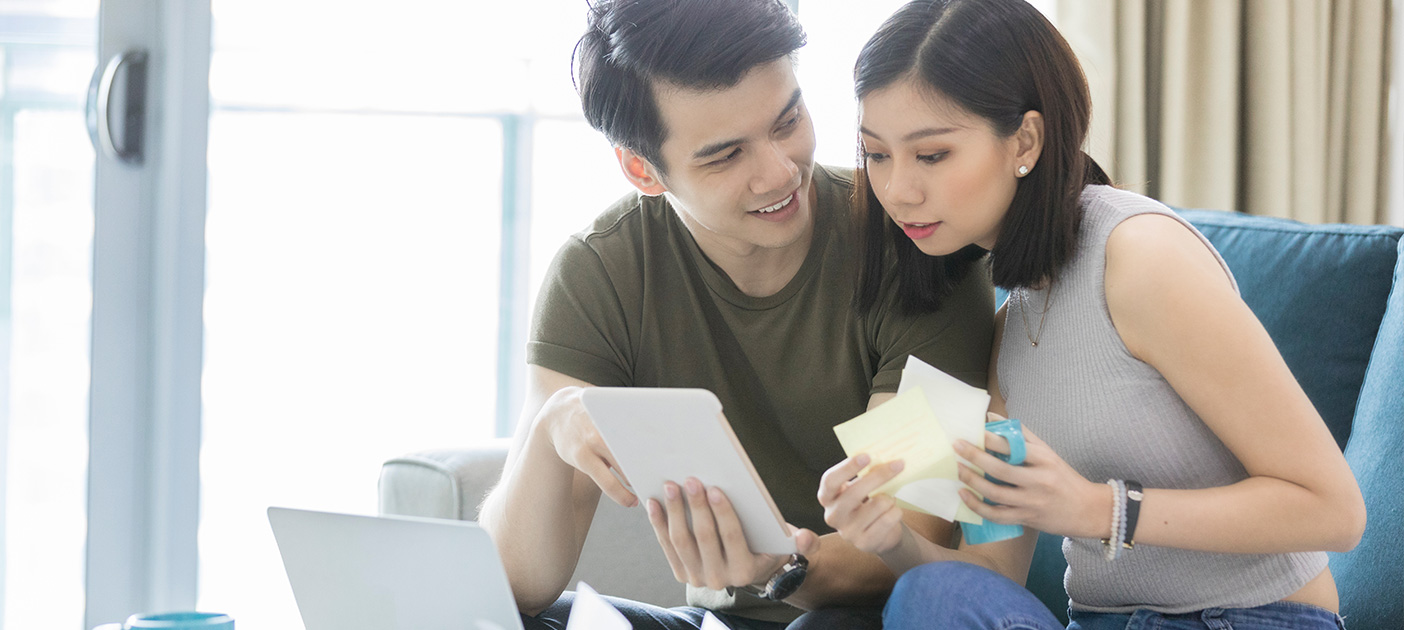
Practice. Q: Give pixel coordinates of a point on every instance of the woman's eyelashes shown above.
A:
(926, 158)
(932, 158)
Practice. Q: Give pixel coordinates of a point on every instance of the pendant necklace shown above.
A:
(1024, 306)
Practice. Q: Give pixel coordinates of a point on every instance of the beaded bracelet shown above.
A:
(1112, 545)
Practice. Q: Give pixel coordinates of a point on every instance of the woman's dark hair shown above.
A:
(700, 44)
(996, 59)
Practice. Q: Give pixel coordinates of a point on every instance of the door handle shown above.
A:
(100, 107)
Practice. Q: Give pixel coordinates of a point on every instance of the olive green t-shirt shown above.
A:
(633, 302)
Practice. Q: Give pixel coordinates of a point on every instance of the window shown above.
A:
(46, 223)
(381, 183)
(386, 187)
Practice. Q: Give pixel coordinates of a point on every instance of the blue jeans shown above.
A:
(648, 617)
(960, 595)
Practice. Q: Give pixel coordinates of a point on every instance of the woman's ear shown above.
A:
(640, 172)
(1028, 142)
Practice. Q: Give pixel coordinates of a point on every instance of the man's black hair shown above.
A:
(631, 45)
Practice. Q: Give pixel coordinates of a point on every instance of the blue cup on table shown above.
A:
(174, 621)
(990, 531)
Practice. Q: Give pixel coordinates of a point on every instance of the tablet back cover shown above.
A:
(669, 434)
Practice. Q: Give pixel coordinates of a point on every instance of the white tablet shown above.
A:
(664, 434)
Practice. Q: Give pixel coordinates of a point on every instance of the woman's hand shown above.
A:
(1045, 492)
(870, 523)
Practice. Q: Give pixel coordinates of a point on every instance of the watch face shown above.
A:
(785, 584)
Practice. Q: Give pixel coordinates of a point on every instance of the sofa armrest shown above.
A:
(442, 483)
(620, 558)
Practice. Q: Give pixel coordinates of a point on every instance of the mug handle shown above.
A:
(1010, 430)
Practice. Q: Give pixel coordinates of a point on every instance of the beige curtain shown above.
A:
(1274, 107)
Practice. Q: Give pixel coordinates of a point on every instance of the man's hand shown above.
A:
(568, 427)
(713, 553)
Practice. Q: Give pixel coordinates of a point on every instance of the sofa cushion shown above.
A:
(1371, 577)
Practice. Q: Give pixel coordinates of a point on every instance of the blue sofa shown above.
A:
(1331, 296)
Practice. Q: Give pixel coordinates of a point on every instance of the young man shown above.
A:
(733, 270)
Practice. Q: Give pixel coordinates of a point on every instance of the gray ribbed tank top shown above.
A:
(1112, 416)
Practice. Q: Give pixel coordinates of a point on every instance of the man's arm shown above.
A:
(541, 509)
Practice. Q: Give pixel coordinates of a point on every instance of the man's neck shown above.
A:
(758, 271)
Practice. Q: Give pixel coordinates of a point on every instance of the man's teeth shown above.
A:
(769, 209)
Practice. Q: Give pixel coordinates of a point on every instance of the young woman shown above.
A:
(1192, 479)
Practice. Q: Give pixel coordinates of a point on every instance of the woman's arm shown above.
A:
(875, 524)
(1176, 310)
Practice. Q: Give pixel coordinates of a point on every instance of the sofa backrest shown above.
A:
(1320, 291)
(1331, 298)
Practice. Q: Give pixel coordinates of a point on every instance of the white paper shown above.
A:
(592, 612)
(961, 410)
(938, 497)
(710, 622)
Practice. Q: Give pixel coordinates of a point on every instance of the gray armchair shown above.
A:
(620, 558)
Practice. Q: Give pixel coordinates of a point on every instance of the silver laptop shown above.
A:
(392, 573)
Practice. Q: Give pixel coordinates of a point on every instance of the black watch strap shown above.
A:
(1134, 494)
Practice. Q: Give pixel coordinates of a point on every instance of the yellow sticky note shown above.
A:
(903, 428)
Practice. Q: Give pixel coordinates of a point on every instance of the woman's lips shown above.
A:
(918, 231)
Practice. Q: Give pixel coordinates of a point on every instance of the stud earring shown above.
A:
(1023, 170)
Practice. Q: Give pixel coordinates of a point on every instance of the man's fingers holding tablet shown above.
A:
(733, 539)
(679, 535)
(704, 530)
(742, 566)
(613, 463)
(599, 471)
(659, 521)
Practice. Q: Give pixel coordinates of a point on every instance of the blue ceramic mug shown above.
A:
(174, 621)
(990, 531)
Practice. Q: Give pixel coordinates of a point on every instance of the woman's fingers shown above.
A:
(836, 479)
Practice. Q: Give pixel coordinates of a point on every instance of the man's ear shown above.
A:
(1030, 139)
(640, 172)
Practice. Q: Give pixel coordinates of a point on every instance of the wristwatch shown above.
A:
(784, 582)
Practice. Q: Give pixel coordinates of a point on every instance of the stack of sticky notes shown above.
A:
(931, 410)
